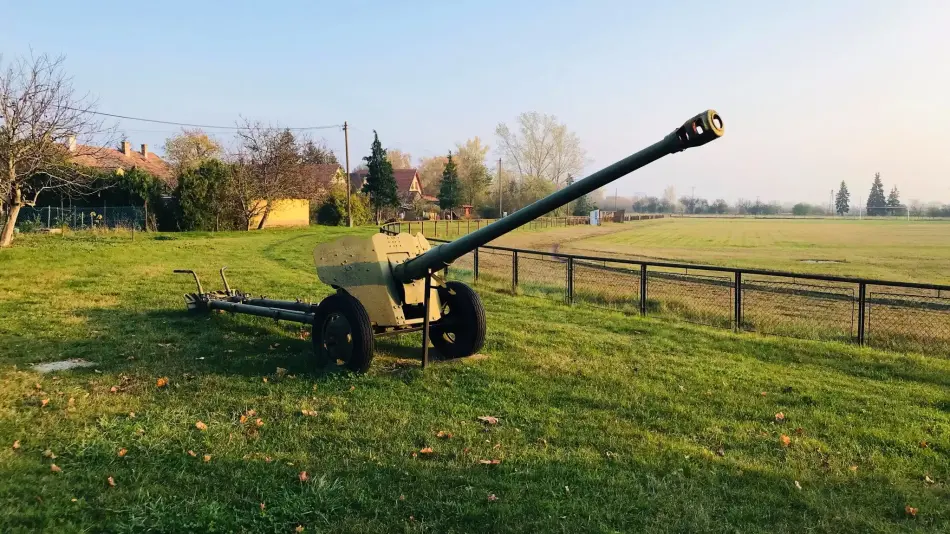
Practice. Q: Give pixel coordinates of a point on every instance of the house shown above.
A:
(110, 159)
(318, 179)
(408, 185)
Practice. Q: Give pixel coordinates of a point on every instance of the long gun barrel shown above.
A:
(699, 130)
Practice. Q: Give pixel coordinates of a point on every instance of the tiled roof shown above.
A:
(111, 159)
(403, 179)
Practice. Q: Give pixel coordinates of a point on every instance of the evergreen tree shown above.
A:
(843, 199)
(380, 183)
(893, 200)
(876, 200)
(449, 190)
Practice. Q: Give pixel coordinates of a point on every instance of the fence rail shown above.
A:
(34, 218)
(905, 316)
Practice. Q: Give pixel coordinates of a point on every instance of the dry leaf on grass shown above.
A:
(55, 468)
(489, 462)
(299, 528)
(259, 422)
(207, 458)
(426, 450)
(352, 388)
(201, 426)
(910, 510)
(492, 498)
(785, 440)
(928, 480)
(49, 454)
(161, 382)
(763, 393)
(193, 454)
(44, 402)
(114, 389)
(263, 506)
(16, 444)
(798, 486)
(111, 482)
(720, 452)
(264, 378)
(309, 413)
(443, 434)
(853, 468)
(243, 419)
(780, 417)
(924, 444)
(488, 420)
(302, 476)
(37, 386)
(123, 452)
(281, 372)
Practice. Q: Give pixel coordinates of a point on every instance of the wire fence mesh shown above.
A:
(896, 316)
(36, 218)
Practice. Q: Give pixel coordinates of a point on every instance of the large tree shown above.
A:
(317, 154)
(876, 200)
(206, 197)
(843, 199)
(541, 147)
(894, 200)
(380, 183)
(449, 191)
(399, 159)
(41, 118)
(188, 149)
(430, 173)
(474, 178)
(267, 169)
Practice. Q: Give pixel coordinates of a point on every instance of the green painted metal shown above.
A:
(697, 131)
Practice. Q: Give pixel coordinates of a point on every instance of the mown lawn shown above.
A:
(606, 422)
(896, 249)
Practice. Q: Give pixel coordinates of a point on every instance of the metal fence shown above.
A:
(35, 218)
(900, 316)
(456, 227)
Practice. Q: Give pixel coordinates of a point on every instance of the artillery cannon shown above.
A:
(390, 284)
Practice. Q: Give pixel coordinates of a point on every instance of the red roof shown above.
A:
(430, 198)
(317, 177)
(403, 179)
(110, 159)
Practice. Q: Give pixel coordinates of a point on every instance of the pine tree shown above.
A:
(876, 200)
(449, 190)
(894, 200)
(380, 183)
(843, 199)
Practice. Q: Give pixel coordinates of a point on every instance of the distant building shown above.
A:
(408, 185)
(111, 159)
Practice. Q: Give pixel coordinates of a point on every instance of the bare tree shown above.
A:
(41, 118)
(541, 147)
(398, 158)
(267, 169)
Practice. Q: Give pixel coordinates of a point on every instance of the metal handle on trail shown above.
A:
(192, 273)
(697, 131)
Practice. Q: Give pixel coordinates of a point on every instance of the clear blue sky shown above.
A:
(811, 92)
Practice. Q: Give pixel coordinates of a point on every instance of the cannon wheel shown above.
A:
(461, 330)
(342, 332)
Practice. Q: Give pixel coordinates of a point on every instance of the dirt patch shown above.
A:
(822, 261)
(63, 365)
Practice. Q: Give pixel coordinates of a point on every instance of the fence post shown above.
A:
(475, 261)
(570, 280)
(468, 226)
(862, 299)
(435, 231)
(737, 313)
(514, 272)
(643, 289)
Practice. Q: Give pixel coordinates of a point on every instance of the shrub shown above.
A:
(332, 212)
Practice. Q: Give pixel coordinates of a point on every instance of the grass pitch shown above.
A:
(607, 423)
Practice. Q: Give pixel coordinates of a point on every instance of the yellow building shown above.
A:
(283, 213)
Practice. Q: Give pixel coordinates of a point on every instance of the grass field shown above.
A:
(607, 423)
(891, 250)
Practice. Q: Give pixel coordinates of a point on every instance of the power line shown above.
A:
(190, 125)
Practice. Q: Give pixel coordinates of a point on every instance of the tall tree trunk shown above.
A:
(6, 238)
(145, 204)
(260, 225)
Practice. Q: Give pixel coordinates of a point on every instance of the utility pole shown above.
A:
(346, 140)
(831, 205)
(499, 188)
(692, 201)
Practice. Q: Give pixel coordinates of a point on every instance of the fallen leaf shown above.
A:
(243, 419)
(402, 497)
(161, 382)
(800, 431)
(140, 431)
(798, 486)
(206, 458)
(44, 402)
(55, 468)
(259, 422)
(192, 453)
(488, 420)
(111, 482)
(201, 426)
(16, 444)
(123, 452)
(786, 441)
(263, 506)
(74, 500)
(352, 388)
(780, 417)
(49, 454)
(443, 434)
(281, 372)
(720, 452)
(910, 510)
(924, 444)
(131, 415)
(302, 476)
(853, 468)
(113, 389)
(264, 378)
(426, 450)
(466, 450)
(250, 413)
(928, 480)
(489, 462)
(492, 498)
(71, 402)
(309, 413)
(763, 393)
(37, 386)
(268, 459)
(299, 528)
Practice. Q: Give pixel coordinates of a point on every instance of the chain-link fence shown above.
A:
(899, 316)
(37, 218)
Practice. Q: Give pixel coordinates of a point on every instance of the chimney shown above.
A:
(126, 148)
(71, 143)
(144, 151)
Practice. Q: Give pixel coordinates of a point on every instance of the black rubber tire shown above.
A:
(360, 355)
(464, 320)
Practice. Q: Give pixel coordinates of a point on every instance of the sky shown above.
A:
(811, 92)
